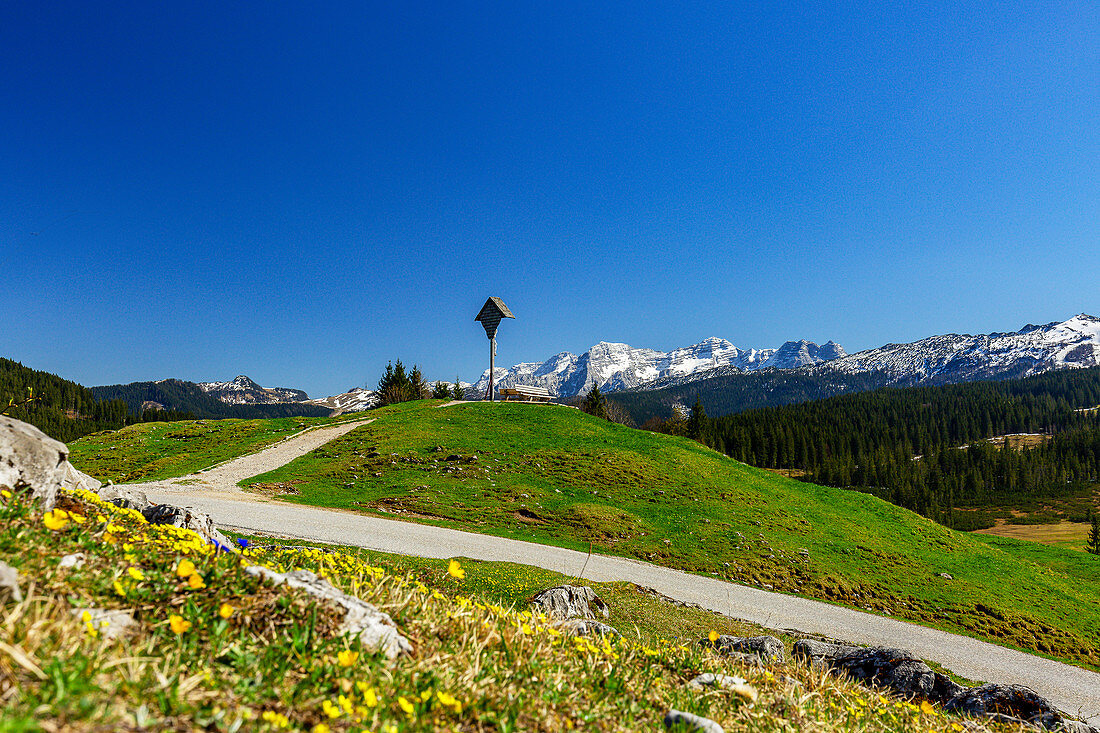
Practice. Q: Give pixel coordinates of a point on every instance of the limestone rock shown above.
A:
(737, 685)
(9, 584)
(189, 518)
(109, 624)
(1013, 702)
(767, 648)
(692, 722)
(73, 479)
(570, 601)
(74, 561)
(895, 669)
(375, 628)
(584, 627)
(125, 497)
(31, 460)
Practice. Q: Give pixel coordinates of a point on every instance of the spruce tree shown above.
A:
(441, 391)
(458, 392)
(1093, 545)
(697, 421)
(595, 403)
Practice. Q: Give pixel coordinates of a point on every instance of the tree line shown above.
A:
(928, 448)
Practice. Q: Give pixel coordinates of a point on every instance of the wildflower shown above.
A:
(277, 720)
(406, 705)
(320, 728)
(450, 701)
(56, 519)
(456, 570)
(347, 658)
(331, 710)
(370, 697)
(185, 568)
(120, 589)
(226, 610)
(135, 573)
(5, 493)
(195, 581)
(926, 708)
(244, 545)
(180, 625)
(713, 636)
(426, 695)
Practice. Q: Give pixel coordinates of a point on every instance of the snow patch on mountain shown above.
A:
(356, 399)
(244, 391)
(617, 366)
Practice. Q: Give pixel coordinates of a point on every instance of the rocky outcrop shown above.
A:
(570, 601)
(899, 671)
(767, 649)
(31, 461)
(374, 627)
(737, 685)
(884, 667)
(125, 497)
(74, 479)
(187, 517)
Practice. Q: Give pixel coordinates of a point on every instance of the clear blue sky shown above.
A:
(301, 191)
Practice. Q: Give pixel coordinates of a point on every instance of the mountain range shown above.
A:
(614, 366)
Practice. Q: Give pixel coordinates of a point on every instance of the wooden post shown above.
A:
(492, 354)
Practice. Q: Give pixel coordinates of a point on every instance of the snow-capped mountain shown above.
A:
(356, 399)
(959, 358)
(614, 366)
(243, 391)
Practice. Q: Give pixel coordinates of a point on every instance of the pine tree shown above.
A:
(418, 387)
(458, 392)
(441, 391)
(1093, 545)
(697, 421)
(595, 403)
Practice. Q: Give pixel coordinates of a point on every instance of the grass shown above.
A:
(160, 450)
(228, 652)
(550, 474)
(1067, 535)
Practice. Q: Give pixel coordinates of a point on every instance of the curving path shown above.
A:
(1075, 690)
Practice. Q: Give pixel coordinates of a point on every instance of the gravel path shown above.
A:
(1073, 689)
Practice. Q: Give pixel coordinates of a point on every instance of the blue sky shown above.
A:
(300, 193)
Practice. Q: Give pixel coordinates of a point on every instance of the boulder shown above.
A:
(73, 479)
(584, 627)
(31, 461)
(107, 623)
(186, 517)
(9, 584)
(125, 497)
(691, 722)
(374, 627)
(570, 601)
(1013, 703)
(895, 669)
(767, 648)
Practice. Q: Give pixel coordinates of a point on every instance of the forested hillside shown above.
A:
(722, 395)
(928, 448)
(62, 409)
(188, 397)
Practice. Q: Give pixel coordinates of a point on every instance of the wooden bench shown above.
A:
(523, 393)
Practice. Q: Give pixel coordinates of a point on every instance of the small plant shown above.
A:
(1093, 545)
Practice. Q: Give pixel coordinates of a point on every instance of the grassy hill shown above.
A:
(555, 475)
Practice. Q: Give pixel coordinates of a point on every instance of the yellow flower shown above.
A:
(370, 699)
(333, 711)
(405, 705)
(426, 695)
(320, 728)
(226, 610)
(119, 589)
(179, 625)
(5, 493)
(926, 708)
(195, 581)
(347, 658)
(449, 701)
(135, 573)
(56, 519)
(713, 636)
(526, 629)
(456, 570)
(185, 568)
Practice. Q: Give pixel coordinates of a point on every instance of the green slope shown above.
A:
(555, 475)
